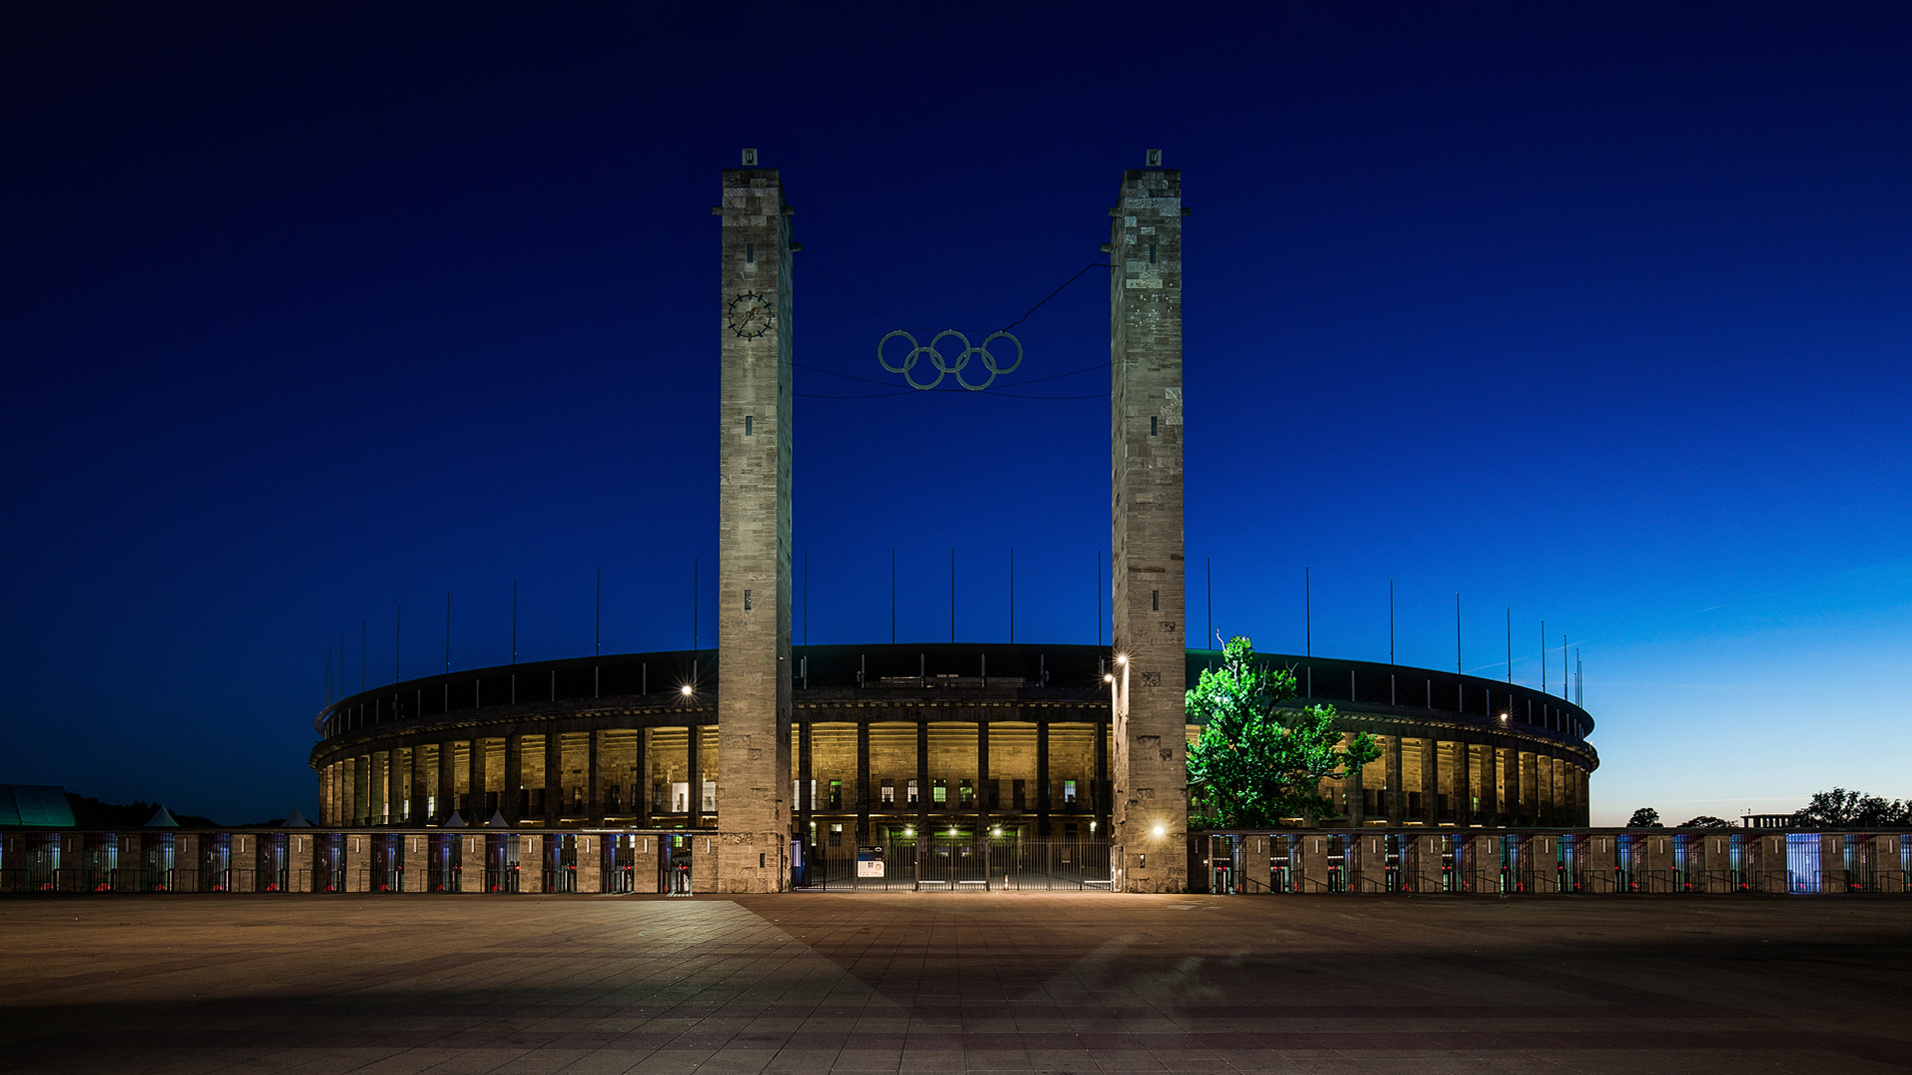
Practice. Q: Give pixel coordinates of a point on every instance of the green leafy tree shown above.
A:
(1842, 809)
(1644, 818)
(1257, 762)
(1707, 821)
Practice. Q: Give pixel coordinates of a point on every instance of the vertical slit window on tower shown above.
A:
(1155, 600)
(746, 600)
(750, 252)
(747, 426)
(1152, 425)
(1151, 253)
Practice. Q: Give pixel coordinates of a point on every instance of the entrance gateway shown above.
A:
(1149, 807)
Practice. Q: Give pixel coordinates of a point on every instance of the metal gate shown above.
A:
(945, 863)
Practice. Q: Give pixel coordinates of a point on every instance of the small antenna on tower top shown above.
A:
(1151, 157)
(750, 158)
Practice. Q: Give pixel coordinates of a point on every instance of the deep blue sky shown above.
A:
(1599, 314)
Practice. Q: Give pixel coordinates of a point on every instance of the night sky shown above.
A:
(1598, 313)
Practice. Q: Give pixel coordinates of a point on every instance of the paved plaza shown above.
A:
(960, 982)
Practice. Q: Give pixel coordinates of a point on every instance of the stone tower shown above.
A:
(1149, 816)
(753, 602)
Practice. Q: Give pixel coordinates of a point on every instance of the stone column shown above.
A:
(644, 865)
(1516, 805)
(1145, 351)
(509, 800)
(476, 814)
(1397, 796)
(694, 763)
(421, 786)
(641, 789)
(1463, 783)
(753, 597)
(358, 862)
(555, 775)
(447, 779)
(1430, 781)
(361, 801)
(531, 863)
(591, 861)
(594, 805)
(1490, 784)
(400, 794)
(922, 793)
(1042, 778)
(1541, 816)
(982, 782)
(862, 781)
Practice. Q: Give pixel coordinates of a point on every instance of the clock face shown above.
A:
(750, 315)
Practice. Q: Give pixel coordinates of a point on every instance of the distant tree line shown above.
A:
(90, 813)
(1835, 809)
(1842, 809)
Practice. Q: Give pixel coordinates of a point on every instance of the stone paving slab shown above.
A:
(954, 982)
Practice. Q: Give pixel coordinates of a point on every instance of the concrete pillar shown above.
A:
(1653, 866)
(1397, 795)
(641, 769)
(418, 850)
(982, 783)
(1516, 805)
(593, 761)
(644, 862)
(1042, 778)
(1490, 785)
(531, 862)
(1369, 863)
(245, 862)
(472, 858)
(1310, 862)
(1832, 862)
(349, 791)
(753, 597)
(301, 853)
(510, 799)
(423, 761)
(554, 775)
(358, 862)
(476, 813)
(1145, 350)
(1888, 863)
(704, 860)
(1543, 791)
(1430, 783)
(447, 780)
(1464, 783)
(185, 862)
(1482, 862)
(1539, 863)
(397, 781)
(1424, 872)
(591, 862)
(1601, 858)
(862, 782)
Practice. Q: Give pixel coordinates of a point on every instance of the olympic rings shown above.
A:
(944, 368)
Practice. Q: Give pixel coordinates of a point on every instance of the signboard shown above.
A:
(869, 862)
